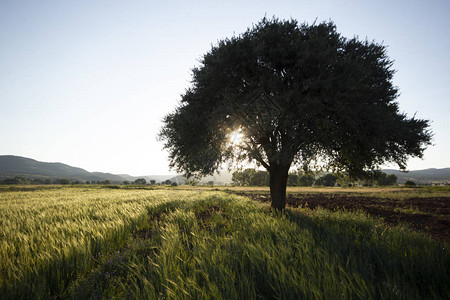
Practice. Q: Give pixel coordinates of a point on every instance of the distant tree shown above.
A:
(318, 181)
(167, 182)
(210, 183)
(88, 182)
(37, 181)
(298, 94)
(174, 184)
(8, 181)
(391, 179)
(192, 181)
(260, 178)
(410, 183)
(250, 177)
(327, 180)
(140, 181)
(64, 181)
(16, 180)
(125, 182)
(243, 178)
(382, 179)
(306, 180)
(47, 181)
(152, 182)
(236, 178)
(292, 179)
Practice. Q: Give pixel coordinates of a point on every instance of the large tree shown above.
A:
(297, 94)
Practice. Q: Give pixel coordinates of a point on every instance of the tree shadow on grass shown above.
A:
(400, 262)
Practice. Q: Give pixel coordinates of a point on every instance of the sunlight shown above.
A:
(236, 137)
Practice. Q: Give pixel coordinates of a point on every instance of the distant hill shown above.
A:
(12, 166)
(422, 176)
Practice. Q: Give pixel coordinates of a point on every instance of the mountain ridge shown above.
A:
(11, 166)
(430, 175)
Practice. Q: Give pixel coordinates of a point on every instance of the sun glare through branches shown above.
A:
(236, 137)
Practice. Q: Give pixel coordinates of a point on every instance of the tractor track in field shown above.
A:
(430, 215)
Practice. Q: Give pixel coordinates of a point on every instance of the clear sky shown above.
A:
(87, 83)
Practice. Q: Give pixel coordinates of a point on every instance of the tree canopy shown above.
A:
(140, 181)
(250, 177)
(297, 94)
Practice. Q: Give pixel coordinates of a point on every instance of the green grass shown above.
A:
(49, 237)
(83, 243)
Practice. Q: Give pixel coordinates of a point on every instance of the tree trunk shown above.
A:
(278, 181)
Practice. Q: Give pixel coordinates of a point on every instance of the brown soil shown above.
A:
(430, 215)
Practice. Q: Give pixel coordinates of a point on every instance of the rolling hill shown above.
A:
(11, 166)
(422, 176)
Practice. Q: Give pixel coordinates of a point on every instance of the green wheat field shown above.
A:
(116, 243)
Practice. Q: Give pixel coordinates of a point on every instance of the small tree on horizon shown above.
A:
(306, 180)
(64, 181)
(292, 179)
(140, 181)
(383, 179)
(409, 183)
(244, 177)
(295, 95)
(327, 180)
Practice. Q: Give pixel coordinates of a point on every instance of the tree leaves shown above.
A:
(299, 93)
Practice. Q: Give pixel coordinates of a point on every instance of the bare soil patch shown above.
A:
(430, 215)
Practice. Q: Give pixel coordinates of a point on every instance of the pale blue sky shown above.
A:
(87, 83)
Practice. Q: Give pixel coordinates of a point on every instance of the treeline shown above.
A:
(143, 181)
(21, 180)
(252, 177)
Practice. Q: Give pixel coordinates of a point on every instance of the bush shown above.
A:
(410, 183)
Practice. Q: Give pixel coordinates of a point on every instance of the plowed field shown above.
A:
(430, 215)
